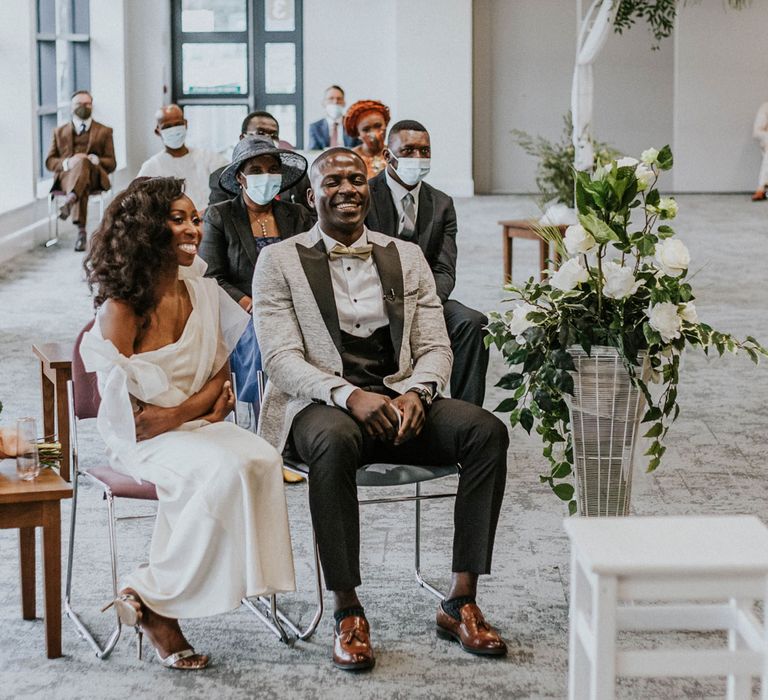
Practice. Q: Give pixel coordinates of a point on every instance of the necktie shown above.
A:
(335, 135)
(408, 231)
(341, 251)
(82, 128)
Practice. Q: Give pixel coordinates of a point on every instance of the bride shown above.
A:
(159, 346)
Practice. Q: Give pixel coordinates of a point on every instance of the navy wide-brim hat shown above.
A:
(293, 166)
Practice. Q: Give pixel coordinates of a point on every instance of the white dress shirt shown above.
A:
(340, 125)
(398, 192)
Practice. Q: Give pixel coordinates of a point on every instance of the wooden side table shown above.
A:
(55, 372)
(26, 505)
(524, 228)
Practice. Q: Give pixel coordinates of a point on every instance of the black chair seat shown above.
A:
(123, 486)
(378, 474)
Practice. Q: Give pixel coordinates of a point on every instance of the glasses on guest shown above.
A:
(262, 132)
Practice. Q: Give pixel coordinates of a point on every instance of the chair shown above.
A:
(84, 400)
(53, 212)
(373, 475)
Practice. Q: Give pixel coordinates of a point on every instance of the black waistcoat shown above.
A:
(368, 360)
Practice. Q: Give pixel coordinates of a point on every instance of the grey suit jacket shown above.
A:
(297, 325)
(435, 228)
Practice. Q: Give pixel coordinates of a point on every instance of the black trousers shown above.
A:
(470, 356)
(334, 446)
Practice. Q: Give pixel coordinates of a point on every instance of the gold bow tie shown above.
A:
(341, 251)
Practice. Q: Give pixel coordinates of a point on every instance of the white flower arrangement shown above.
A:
(622, 285)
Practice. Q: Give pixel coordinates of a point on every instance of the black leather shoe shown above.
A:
(80, 243)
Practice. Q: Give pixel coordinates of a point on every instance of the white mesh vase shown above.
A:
(605, 413)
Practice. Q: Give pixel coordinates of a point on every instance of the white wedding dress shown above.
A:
(221, 532)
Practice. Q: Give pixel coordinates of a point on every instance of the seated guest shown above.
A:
(404, 206)
(354, 342)
(81, 157)
(159, 345)
(368, 119)
(329, 131)
(237, 230)
(262, 124)
(193, 165)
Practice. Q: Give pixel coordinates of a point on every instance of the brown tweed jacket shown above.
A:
(99, 143)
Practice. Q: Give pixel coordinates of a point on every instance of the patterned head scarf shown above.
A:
(361, 107)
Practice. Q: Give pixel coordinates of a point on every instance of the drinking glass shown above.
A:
(27, 460)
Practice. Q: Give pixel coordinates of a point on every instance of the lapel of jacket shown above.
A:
(424, 217)
(93, 138)
(381, 202)
(390, 269)
(284, 219)
(68, 140)
(314, 260)
(325, 132)
(242, 223)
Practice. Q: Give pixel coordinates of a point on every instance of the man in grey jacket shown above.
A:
(354, 343)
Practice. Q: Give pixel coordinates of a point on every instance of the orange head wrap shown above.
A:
(358, 109)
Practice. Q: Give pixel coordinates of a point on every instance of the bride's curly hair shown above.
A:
(131, 248)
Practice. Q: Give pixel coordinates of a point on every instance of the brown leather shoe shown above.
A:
(352, 650)
(472, 632)
(758, 196)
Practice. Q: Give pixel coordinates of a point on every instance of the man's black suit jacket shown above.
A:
(435, 228)
(228, 245)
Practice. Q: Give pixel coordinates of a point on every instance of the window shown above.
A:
(63, 64)
(231, 57)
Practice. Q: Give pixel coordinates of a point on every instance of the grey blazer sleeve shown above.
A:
(213, 249)
(430, 345)
(444, 268)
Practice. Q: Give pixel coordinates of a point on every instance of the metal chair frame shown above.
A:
(297, 467)
(53, 214)
(264, 607)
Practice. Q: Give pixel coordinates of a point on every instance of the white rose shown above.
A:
(644, 176)
(688, 313)
(672, 257)
(664, 318)
(570, 274)
(667, 208)
(619, 281)
(577, 240)
(518, 323)
(649, 156)
(627, 162)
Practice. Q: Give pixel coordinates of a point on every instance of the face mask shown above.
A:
(82, 112)
(173, 136)
(262, 188)
(333, 110)
(412, 170)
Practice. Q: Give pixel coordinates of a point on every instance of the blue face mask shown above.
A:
(262, 188)
(174, 136)
(412, 170)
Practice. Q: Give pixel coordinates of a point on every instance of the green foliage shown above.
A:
(658, 14)
(554, 173)
(625, 286)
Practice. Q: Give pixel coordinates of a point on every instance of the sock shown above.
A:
(452, 606)
(339, 615)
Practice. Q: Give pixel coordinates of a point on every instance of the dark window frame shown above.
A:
(255, 37)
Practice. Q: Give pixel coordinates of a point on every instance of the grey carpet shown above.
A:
(714, 464)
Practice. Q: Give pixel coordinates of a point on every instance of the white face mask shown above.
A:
(173, 136)
(412, 170)
(333, 110)
(262, 188)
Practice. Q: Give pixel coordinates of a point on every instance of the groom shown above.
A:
(354, 343)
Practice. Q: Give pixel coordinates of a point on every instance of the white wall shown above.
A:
(699, 92)
(721, 79)
(417, 59)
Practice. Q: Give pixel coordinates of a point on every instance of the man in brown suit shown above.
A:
(81, 157)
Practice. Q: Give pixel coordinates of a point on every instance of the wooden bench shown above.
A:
(26, 505)
(55, 372)
(524, 228)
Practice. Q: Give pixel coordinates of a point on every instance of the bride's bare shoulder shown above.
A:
(119, 323)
